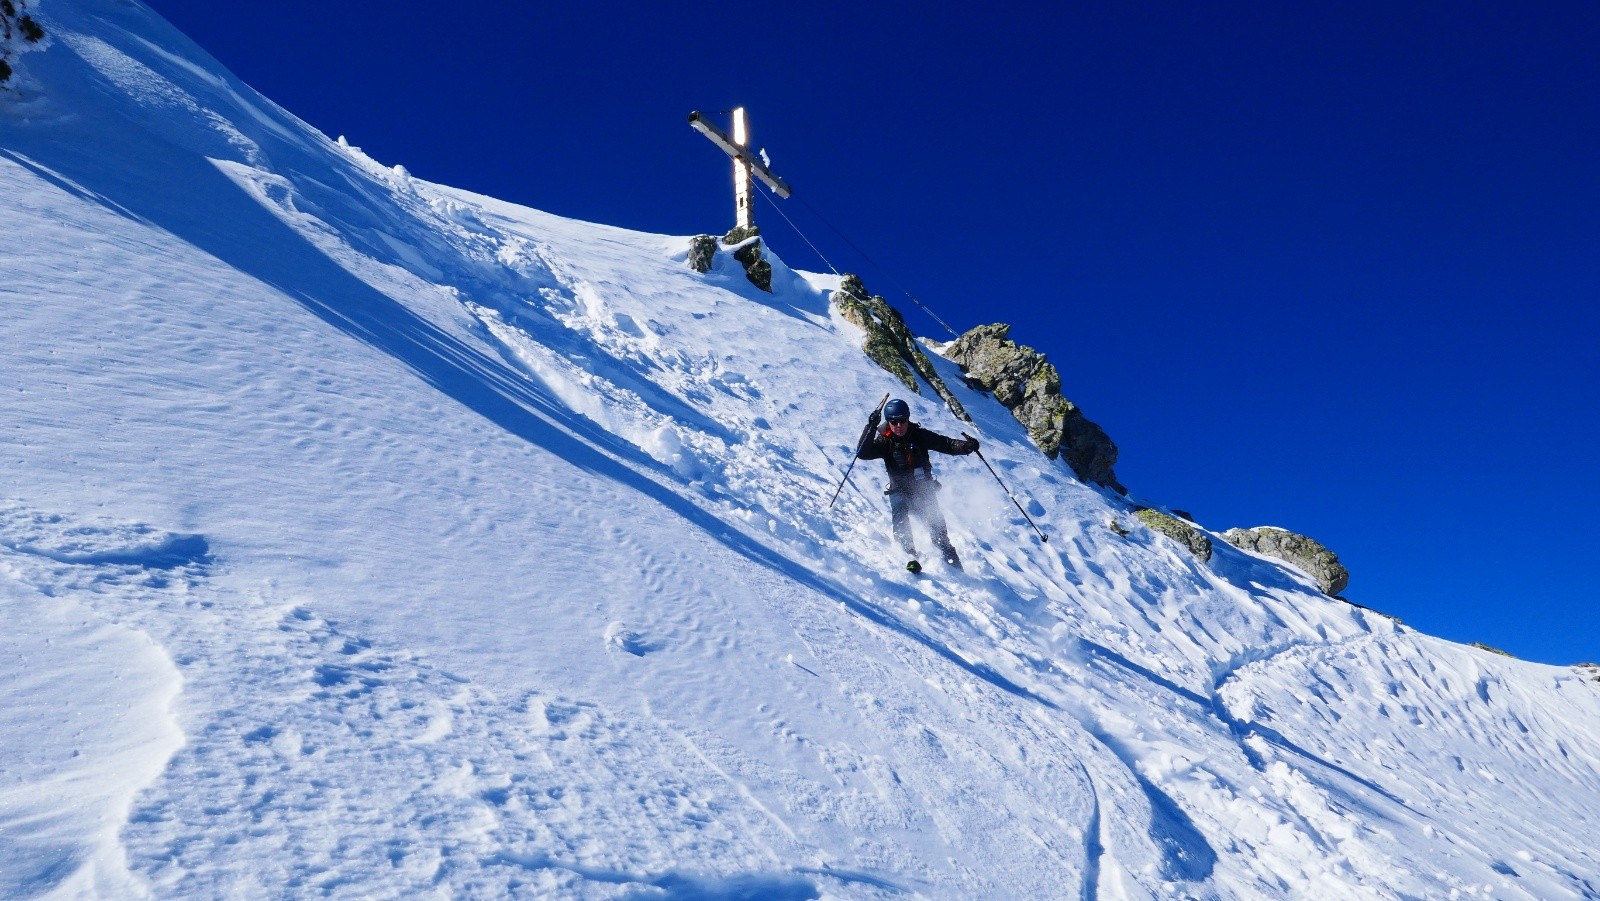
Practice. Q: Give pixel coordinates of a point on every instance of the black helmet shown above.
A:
(896, 409)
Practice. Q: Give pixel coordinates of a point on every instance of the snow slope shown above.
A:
(365, 537)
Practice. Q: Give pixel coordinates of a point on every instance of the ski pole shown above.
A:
(853, 459)
(1042, 537)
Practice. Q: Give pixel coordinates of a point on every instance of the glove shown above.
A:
(874, 419)
(971, 445)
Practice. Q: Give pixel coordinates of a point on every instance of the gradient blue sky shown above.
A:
(1332, 267)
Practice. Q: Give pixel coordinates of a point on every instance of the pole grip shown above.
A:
(853, 461)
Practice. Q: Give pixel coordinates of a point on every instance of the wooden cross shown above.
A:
(744, 165)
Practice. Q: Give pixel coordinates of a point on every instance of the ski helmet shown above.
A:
(896, 409)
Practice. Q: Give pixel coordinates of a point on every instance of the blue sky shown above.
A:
(1332, 267)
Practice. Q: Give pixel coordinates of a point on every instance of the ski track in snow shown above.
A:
(506, 568)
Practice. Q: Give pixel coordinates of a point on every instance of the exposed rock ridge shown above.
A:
(1194, 540)
(1027, 384)
(746, 246)
(1296, 550)
(889, 343)
(743, 243)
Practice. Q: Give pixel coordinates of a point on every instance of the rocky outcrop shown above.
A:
(889, 343)
(746, 246)
(20, 32)
(1193, 540)
(702, 251)
(1027, 384)
(1298, 551)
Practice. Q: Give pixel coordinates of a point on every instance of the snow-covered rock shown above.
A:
(1297, 550)
(1193, 539)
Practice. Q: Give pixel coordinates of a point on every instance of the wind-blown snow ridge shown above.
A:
(370, 537)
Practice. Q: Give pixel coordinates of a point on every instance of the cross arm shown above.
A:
(740, 154)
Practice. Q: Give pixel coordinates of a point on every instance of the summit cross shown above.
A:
(745, 164)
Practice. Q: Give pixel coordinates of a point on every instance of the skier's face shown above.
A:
(899, 426)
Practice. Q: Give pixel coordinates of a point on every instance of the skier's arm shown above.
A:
(955, 447)
(870, 445)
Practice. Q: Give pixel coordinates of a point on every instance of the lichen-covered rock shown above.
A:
(1298, 551)
(889, 343)
(746, 244)
(1027, 384)
(702, 251)
(1194, 540)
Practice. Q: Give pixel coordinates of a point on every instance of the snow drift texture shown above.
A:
(364, 537)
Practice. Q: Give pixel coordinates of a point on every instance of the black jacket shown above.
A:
(907, 458)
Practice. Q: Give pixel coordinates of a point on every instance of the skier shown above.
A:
(903, 447)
